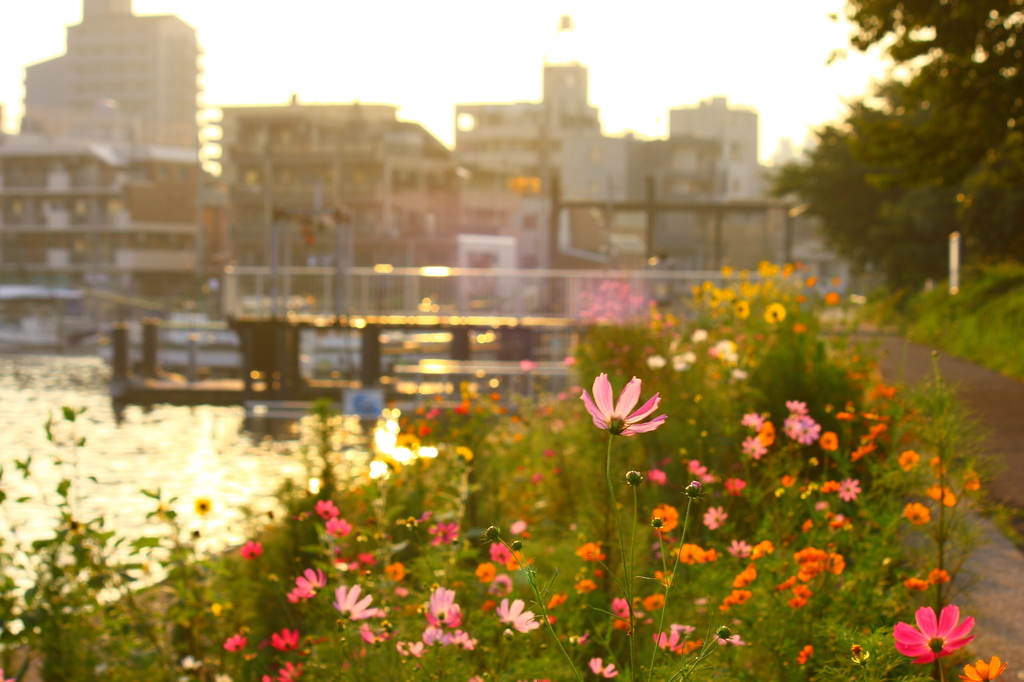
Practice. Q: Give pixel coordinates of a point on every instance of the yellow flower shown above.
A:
(775, 313)
(216, 609)
(742, 309)
(203, 506)
(464, 452)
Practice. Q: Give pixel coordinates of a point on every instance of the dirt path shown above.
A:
(995, 573)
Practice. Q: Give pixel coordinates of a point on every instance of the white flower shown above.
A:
(190, 663)
(725, 351)
(739, 374)
(655, 362)
(683, 361)
(222, 678)
(699, 336)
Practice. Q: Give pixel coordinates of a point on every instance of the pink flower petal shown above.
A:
(599, 420)
(603, 396)
(948, 619)
(909, 636)
(645, 427)
(628, 398)
(926, 620)
(646, 409)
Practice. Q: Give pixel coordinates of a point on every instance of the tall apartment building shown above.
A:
(124, 77)
(735, 129)
(111, 215)
(513, 153)
(285, 162)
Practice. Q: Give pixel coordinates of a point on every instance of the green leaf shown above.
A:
(63, 487)
(23, 465)
(92, 478)
(20, 500)
(151, 494)
(69, 413)
(140, 543)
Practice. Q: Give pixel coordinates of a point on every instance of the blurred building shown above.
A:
(124, 77)
(294, 162)
(513, 153)
(109, 215)
(735, 129)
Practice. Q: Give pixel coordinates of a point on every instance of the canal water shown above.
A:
(187, 452)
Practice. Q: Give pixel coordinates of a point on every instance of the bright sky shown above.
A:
(427, 55)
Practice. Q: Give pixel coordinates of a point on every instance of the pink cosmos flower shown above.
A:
(288, 640)
(5, 679)
(338, 527)
(500, 553)
(442, 611)
(444, 533)
(569, 361)
(326, 509)
(366, 559)
(401, 592)
(734, 640)
(796, 407)
(735, 486)
(307, 584)
(459, 638)
(802, 429)
(715, 517)
(620, 420)
(517, 528)
(598, 667)
(753, 420)
(527, 365)
(514, 615)
(537, 477)
(432, 635)
(849, 489)
(620, 607)
(410, 649)
(433, 413)
(348, 601)
(753, 447)
(821, 506)
(657, 476)
(251, 550)
(501, 585)
(371, 637)
(740, 549)
(933, 637)
(289, 672)
(234, 643)
(701, 472)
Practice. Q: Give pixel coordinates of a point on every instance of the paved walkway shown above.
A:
(995, 594)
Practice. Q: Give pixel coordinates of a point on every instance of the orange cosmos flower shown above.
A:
(395, 571)
(971, 481)
(938, 493)
(808, 525)
(805, 654)
(689, 646)
(937, 576)
(829, 441)
(654, 602)
(748, 576)
(865, 449)
(908, 460)
(832, 298)
(916, 584)
(917, 513)
(591, 551)
(811, 281)
(586, 585)
(762, 548)
(766, 434)
(737, 597)
(982, 671)
(801, 593)
(788, 481)
(486, 572)
(800, 327)
(830, 487)
(786, 585)
(669, 517)
(845, 416)
(664, 578)
(557, 599)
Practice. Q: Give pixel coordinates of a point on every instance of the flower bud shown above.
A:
(516, 545)
(693, 490)
(634, 478)
(492, 533)
(657, 523)
(724, 632)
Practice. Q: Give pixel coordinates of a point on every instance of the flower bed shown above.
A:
(749, 520)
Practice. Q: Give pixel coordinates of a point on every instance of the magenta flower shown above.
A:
(514, 615)
(338, 527)
(849, 489)
(802, 429)
(735, 486)
(753, 420)
(657, 476)
(618, 420)
(500, 553)
(371, 637)
(326, 509)
(527, 365)
(5, 679)
(753, 447)
(501, 585)
(442, 611)
(518, 527)
(459, 638)
(348, 601)
(715, 517)
(796, 407)
(620, 607)
(444, 533)
(288, 640)
(933, 637)
(700, 472)
(234, 643)
(740, 549)
(251, 550)
(307, 584)
(598, 667)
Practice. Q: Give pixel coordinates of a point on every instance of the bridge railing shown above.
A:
(257, 293)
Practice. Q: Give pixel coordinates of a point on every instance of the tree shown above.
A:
(936, 148)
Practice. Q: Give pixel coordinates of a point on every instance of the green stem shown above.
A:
(628, 582)
(668, 580)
